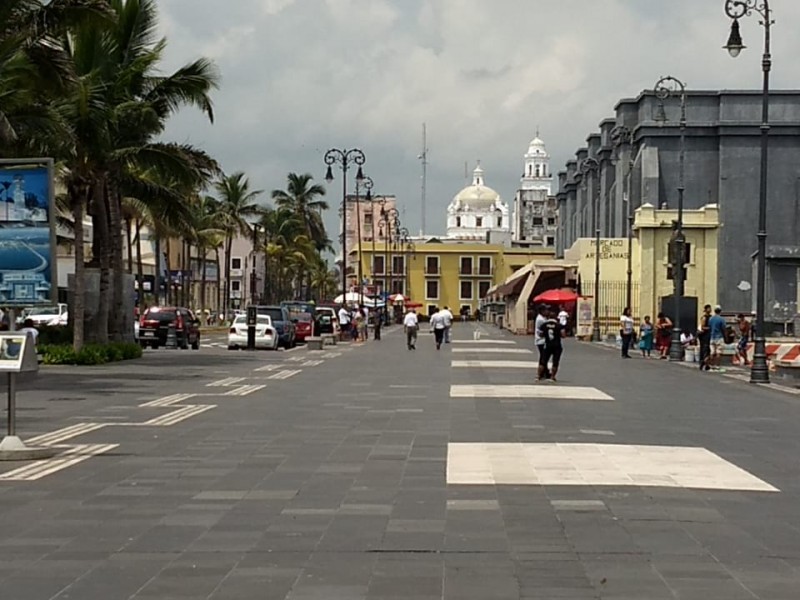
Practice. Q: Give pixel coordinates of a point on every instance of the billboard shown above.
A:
(27, 233)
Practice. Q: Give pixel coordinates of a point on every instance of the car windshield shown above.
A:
(276, 314)
(262, 320)
(43, 310)
(305, 317)
(160, 315)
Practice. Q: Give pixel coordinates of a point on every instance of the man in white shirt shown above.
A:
(438, 327)
(410, 325)
(448, 323)
(538, 339)
(344, 321)
(563, 319)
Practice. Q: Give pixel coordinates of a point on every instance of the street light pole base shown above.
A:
(759, 372)
(675, 347)
(13, 448)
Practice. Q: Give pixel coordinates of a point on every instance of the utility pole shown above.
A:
(424, 158)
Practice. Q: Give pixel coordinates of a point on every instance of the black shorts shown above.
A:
(548, 353)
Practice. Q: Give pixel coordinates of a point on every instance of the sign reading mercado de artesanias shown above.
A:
(27, 232)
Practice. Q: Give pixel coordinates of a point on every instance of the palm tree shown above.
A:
(206, 236)
(303, 199)
(237, 204)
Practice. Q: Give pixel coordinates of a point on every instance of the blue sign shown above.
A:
(27, 244)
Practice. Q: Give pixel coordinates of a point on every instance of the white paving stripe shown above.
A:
(227, 382)
(596, 465)
(494, 364)
(483, 350)
(70, 457)
(311, 363)
(483, 341)
(176, 416)
(544, 391)
(167, 400)
(268, 368)
(61, 435)
(284, 374)
(244, 390)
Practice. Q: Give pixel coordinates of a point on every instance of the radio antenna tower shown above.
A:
(424, 158)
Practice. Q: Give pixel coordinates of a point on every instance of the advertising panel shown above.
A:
(27, 235)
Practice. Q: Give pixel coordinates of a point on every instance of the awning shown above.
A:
(514, 283)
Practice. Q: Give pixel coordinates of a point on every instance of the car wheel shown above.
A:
(231, 347)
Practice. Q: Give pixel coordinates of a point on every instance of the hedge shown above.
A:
(90, 354)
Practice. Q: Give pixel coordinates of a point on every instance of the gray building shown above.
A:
(638, 162)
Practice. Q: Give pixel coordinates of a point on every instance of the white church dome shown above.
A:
(476, 196)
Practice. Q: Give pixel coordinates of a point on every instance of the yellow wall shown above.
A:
(613, 258)
(701, 228)
(504, 261)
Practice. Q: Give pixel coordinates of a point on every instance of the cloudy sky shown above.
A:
(302, 76)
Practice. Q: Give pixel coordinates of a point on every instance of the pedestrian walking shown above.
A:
(438, 328)
(626, 331)
(704, 338)
(448, 323)
(377, 329)
(410, 326)
(744, 338)
(551, 332)
(646, 332)
(716, 329)
(538, 339)
(663, 335)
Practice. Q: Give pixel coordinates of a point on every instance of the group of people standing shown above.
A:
(712, 335)
(441, 324)
(354, 323)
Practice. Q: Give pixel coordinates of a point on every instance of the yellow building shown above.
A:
(651, 276)
(444, 273)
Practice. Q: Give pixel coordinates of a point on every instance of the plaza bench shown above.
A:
(314, 343)
(328, 339)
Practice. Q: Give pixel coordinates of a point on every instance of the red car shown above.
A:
(304, 325)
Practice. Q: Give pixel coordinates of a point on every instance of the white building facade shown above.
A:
(535, 207)
(477, 210)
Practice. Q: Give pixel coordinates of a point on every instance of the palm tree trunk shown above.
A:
(139, 265)
(77, 312)
(168, 291)
(202, 251)
(119, 316)
(219, 283)
(99, 332)
(157, 271)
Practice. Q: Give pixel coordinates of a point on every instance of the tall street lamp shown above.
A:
(735, 9)
(591, 165)
(344, 159)
(365, 183)
(389, 218)
(666, 87)
(368, 184)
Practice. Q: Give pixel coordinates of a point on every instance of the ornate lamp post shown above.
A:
(344, 158)
(368, 184)
(666, 87)
(389, 219)
(735, 9)
(591, 165)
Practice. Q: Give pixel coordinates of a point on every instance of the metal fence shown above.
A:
(613, 300)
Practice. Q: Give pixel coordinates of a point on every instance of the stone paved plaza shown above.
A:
(371, 472)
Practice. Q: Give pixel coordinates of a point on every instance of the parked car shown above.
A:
(282, 323)
(52, 315)
(156, 320)
(266, 335)
(304, 326)
(327, 320)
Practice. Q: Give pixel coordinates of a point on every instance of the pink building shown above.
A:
(365, 217)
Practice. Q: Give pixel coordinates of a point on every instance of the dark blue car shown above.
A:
(282, 323)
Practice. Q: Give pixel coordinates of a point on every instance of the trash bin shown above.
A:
(500, 321)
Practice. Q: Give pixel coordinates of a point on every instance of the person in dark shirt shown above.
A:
(551, 331)
(704, 337)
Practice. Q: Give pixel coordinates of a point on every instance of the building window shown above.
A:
(485, 265)
(378, 265)
(431, 289)
(432, 265)
(380, 284)
(458, 221)
(432, 308)
(551, 220)
(483, 288)
(236, 286)
(465, 290)
(236, 263)
(478, 221)
(368, 219)
(466, 265)
(398, 266)
(398, 287)
(551, 241)
(537, 220)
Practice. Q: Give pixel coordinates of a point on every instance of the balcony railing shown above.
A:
(429, 270)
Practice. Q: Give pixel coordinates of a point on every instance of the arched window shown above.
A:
(458, 221)
(537, 170)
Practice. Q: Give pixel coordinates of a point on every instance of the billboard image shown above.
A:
(27, 244)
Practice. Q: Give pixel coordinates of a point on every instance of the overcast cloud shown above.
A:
(302, 76)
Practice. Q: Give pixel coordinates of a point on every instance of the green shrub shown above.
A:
(90, 354)
(55, 335)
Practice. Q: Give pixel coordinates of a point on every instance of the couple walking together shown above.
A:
(441, 324)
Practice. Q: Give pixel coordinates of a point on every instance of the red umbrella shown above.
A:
(556, 296)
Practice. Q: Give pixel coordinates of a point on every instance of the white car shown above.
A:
(54, 316)
(266, 335)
